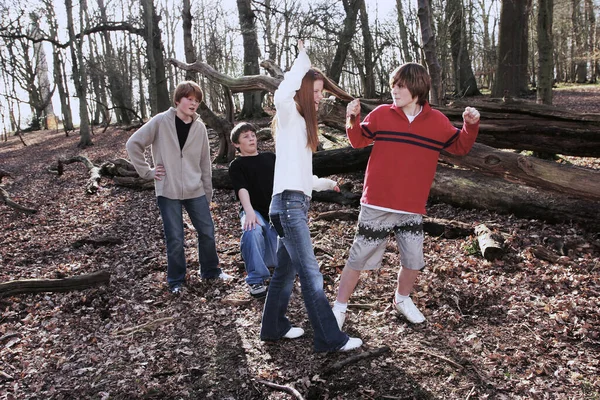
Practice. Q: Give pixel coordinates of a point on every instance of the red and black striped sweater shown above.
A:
(404, 157)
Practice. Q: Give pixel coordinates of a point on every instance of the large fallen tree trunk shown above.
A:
(469, 189)
(529, 126)
(576, 181)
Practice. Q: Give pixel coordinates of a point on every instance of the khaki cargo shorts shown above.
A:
(370, 241)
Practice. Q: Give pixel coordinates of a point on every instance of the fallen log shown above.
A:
(518, 168)
(93, 182)
(528, 126)
(468, 189)
(6, 199)
(54, 285)
(491, 248)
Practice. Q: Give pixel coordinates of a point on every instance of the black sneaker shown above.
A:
(258, 290)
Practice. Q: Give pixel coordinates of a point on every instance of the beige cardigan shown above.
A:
(188, 171)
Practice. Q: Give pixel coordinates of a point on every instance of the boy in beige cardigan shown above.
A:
(183, 179)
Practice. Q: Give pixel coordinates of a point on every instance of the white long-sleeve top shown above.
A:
(293, 166)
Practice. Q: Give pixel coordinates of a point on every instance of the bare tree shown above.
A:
(429, 46)
(465, 83)
(252, 100)
(79, 72)
(157, 82)
(511, 75)
(188, 43)
(545, 51)
(351, 7)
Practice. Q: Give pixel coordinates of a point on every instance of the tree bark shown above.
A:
(545, 51)
(511, 76)
(345, 36)
(465, 82)
(188, 43)
(510, 125)
(468, 189)
(252, 99)
(54, 285)
(429, 47)
(79, 76)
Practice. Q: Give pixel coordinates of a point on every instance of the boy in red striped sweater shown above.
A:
(407, 138)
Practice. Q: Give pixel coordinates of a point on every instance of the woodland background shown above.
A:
(521, 324)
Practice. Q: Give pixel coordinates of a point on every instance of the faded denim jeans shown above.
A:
(295, 256)
(198, 210)
(258, 246)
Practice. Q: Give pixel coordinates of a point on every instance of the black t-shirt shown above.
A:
(255, 174)
(183, 130)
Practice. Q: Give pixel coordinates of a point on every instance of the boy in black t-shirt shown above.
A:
(252, 178)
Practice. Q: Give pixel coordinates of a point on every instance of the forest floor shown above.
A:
(517, 328)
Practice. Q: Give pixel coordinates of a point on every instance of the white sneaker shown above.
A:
(224, 277)
(408, 309)
(294, 333)
(352, 344)
(340, 317)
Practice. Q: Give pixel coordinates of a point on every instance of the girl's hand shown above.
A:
(353, 108)
(471, 115)
(300, 44)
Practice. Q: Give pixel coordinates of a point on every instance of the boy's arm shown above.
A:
(251, 219)
(136, 147)
(206, 166)
(359, 134)
(462, 144)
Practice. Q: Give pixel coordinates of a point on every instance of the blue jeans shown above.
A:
(171, 212)
(295, 255)
(259, 246)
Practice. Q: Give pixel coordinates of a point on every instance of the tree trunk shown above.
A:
(79, 74)
(369, 83)
(344, 41)
(545, 52)
(465, 83)
(188, 43)
(468, 189)
(43, 82)
(157, 82)
(403, 32)
(252, 99)
(511, 75)
(58, 71)
(429, 46)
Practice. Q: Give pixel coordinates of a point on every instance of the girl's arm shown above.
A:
(137, 144)
(284, 95)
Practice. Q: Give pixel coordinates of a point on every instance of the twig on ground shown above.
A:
(149, 326)
(449, 361)
(470, 393)
(283, 388)
(361, 356)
